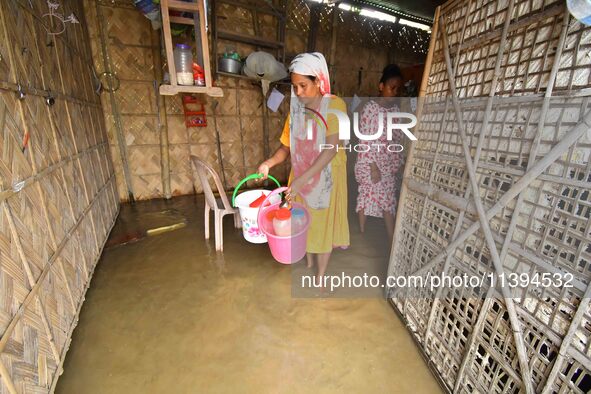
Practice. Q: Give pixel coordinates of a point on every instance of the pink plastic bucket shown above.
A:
(286, 250)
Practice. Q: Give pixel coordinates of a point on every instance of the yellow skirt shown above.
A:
(329, 228)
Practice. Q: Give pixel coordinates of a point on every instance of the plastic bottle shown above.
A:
(580, 9)
(282, 222)
(298, 220)
(198, 75)
(183, 62)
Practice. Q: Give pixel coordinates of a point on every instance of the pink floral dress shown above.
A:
(376, 198)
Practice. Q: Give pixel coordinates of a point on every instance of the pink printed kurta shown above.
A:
(376, 198)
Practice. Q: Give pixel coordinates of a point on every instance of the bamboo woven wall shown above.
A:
(234, 140)
(518, 111)
(58, 194)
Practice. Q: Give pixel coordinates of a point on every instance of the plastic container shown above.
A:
(286, 250)
(198, 75)
(580, 9)
(248, 215)
(298, 220)
(282, 222)
(257, 203)
(183, 62)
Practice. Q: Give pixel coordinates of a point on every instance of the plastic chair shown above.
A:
(221, 206)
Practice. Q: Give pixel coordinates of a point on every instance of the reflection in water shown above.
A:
(169, 314)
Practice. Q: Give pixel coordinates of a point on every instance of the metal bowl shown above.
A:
(229, 65)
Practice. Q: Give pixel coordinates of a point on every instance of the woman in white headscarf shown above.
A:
(318, 176)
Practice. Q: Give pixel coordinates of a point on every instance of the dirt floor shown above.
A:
(167, 314)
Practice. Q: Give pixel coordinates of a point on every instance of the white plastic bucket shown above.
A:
(248, 215)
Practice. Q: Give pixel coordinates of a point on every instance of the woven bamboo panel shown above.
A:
(228, 105)
(179, 159)
(204, 135)
(235, 19)
(126, 26)
(177, 131)
(174, 105)
(141, 130)
(15, 164)
(479, 339)
(181, 184)
(27, 356)
(229, 128)
(132, 63)
(136, 98)
(62, 130)
(55, 221)
(252, 130)
(250, 102)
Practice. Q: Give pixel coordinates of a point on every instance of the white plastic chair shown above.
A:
(221, 206)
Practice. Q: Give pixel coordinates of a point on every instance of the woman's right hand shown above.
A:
(263, 170)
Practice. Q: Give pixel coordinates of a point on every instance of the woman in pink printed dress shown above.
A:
(377, 170)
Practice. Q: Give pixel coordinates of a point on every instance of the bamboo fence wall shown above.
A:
(499, 181)
(145, 148)
(58, 194)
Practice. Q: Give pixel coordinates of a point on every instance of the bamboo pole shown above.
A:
(441, 196)
(415, 246)
(162, 117)
(409, 156)
(114, 107)
(514, 319)
(568, 340)
(31, 91)
(460, 221)
(6, 378)
(7, 193)
(512, 225)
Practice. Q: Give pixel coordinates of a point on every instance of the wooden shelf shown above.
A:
(171, 90)
(183, 6)
(225, 35)
(182, 20)
(242, 76)
(197, 8)
(285, 81)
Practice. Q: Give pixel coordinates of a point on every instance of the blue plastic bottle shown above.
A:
(580, 9)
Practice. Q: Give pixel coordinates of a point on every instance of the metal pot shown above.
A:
(229, 65)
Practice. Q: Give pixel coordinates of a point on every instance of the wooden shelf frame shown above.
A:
(277, 47)
(197, 8)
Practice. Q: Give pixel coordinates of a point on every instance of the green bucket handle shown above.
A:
(248, 178)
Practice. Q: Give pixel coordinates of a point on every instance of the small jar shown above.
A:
(298, 220)
(282, 222)
(183, 62)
